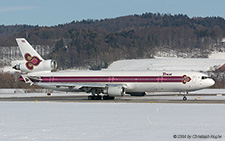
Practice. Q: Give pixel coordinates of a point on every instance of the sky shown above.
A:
(54, 12)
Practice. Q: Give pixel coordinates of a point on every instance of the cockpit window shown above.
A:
(205, 77)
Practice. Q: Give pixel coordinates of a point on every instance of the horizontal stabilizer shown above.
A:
(27, 80)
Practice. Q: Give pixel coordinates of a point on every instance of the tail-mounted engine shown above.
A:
(36, 65)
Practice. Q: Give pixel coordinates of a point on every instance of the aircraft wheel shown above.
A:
(97, 97)
(185, 98)
(108, 97)
(94, 97)
(90, 98)
(48, 94)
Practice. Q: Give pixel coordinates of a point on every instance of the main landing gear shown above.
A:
(96, 96)
(185, 98)
(108, 97)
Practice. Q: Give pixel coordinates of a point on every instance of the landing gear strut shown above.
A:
(185, 98)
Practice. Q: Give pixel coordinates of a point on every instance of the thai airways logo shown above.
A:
(31, 61)
(186, 79)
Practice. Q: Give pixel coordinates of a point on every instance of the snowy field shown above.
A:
(170, 63)
(111, 121)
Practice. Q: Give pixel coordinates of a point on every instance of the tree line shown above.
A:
(94, 44)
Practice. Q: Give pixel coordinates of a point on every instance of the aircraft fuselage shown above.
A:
(133, 81)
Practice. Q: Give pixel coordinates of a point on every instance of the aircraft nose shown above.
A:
(211, 82)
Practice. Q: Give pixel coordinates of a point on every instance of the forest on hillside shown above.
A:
(96, 43)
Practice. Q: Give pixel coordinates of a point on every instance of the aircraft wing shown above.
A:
(87, 87)
(75, 85)
(28, 79)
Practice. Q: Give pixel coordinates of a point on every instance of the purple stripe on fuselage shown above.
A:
(114, 79)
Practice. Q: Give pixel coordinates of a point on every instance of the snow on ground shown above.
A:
(217, 55)
(170, 63)
(110, 121)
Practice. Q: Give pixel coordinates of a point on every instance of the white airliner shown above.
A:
(35, 70)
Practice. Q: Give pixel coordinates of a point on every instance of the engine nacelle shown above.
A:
(45, 65)
(116, 91)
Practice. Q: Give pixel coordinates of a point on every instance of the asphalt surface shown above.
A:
(213, 98)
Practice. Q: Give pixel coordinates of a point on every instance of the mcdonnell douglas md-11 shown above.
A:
(105, 84)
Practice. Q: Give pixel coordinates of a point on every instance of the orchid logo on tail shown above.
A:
(31, 61)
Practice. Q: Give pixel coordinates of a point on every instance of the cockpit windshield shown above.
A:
(206, 77)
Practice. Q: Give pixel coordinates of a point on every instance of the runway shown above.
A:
(212, 98)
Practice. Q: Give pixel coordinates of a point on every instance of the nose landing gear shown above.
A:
(185, 98)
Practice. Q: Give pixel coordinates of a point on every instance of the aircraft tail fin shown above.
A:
(32, 62)
(26, 48)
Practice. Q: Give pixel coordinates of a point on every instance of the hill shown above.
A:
(96, 43)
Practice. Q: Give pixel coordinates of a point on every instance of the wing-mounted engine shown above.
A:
(36, 65)
(116, 91)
